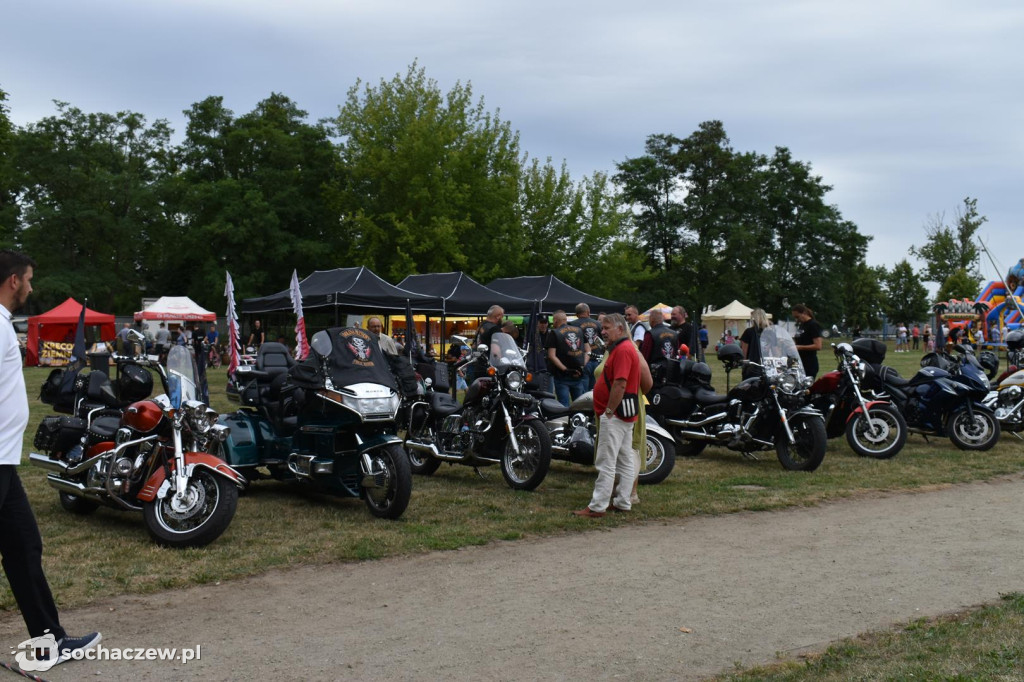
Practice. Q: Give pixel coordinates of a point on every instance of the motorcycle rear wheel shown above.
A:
(980, 433)
(659, 460)
(526, 470)
(687, 448)
(420, 463)
(390, 500)
(77, 505)
(207, 512)
(889, 439)
(808, 452)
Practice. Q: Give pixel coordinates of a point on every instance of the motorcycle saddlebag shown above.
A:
(404, 374)
(59, 390)
(437, 372)
(673, 401)
(869, 350)
(59, 434)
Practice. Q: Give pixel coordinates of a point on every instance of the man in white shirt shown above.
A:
(637, 330)
(386, 343)
(21, 546)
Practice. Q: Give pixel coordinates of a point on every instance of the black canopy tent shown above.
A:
(463, 295)
(553, 294)
(344, 289)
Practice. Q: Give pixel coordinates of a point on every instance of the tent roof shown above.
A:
(175, 308)
(68, 312)
(733, 311)
(346, 288)
(553, 294)
(463, 295)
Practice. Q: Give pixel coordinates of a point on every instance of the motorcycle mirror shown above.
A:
(321, 343)
(843, 348)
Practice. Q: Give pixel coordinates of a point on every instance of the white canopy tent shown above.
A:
(173, 311)
(735, 317)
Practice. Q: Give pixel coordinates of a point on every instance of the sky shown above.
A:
(903, 108)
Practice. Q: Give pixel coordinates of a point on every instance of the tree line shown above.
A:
(410, 179)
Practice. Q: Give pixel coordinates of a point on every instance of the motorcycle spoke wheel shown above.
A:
(526, 470)
(880, 435)
(977, 431)
(420, 462)
(197, 519)
(808, 452)
(659, 460)
(389, 499)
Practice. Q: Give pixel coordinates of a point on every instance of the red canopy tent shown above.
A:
(60, 324)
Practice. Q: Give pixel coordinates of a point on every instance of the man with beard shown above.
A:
(591, 334)
(21, 546)
(567, 353)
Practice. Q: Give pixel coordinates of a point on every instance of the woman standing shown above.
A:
(808, 341)
(750, 340)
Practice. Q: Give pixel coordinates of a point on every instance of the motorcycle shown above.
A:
(573, 434)
(157, 456)
(1007, 400)
(873, 428)
(496, 424)
(327, 422)
(765, 411)
(944, 398)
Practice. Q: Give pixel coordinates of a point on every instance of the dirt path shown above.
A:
(601, 605)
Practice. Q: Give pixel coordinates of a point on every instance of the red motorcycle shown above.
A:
(873, 428)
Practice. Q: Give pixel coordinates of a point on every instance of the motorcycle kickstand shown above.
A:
(477, 471)
(1017, 435)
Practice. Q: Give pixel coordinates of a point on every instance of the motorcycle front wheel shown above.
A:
(808, 452)
(887, 439)
(197, 520)
(659, 459)
(389, 500)
(977, 431)
(526, 470)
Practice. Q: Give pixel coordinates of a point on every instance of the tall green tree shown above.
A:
(9, 186)
(960, 284)
(864, 299)
(906, 299)
(431, 179)
(948, 249)
(90, 202)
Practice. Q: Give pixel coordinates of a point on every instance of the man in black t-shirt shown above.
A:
(591, 333)
(567, 353)
(683, 328)
(490, 325)
(808, 341)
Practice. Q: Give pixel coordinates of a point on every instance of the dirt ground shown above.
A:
(603, 605)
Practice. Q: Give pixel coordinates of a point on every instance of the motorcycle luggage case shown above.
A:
(869, 350)
(673, 401)
(59, 434)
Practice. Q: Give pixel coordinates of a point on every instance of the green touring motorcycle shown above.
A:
(327, 422)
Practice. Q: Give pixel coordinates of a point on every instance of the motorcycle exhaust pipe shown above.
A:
(696, 425)
(432, 450)
(73, 488)
(696, 435)
(47, 463)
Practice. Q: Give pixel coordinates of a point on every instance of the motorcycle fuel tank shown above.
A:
(143, 416)
(748, 390)
(828, 383)
(479, 388)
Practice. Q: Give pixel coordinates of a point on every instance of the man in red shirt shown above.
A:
(616, 396)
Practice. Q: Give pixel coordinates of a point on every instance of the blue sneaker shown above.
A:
(67, 646)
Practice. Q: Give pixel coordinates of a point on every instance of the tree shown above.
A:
(864, 297)
(961, 284)
(9, 208)
(431, 179)
(950, 249)
(90, 202)
(906, 299)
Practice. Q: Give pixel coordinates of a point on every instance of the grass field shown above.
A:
(278, 525)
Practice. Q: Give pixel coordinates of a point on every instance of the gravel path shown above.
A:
(596, 606)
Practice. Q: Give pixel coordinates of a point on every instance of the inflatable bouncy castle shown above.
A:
(1005, 306)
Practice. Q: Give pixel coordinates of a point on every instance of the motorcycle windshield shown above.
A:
(356, 358)
(778, 351)
(504, 353)
(181, 376)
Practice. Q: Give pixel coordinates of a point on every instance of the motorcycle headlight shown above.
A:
(514, 380)
(385, 406)
(201, 418)
(789, 383)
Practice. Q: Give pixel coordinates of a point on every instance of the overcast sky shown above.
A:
(904, 108)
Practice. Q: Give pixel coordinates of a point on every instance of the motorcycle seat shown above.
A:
(552, 408)
(443, 404)
(892, 377)
(104, 428)
(706, 396)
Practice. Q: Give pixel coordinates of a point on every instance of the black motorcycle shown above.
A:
(944, 398)
(497, 422)
(768, 410)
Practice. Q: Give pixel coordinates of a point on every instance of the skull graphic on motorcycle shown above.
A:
(360, 349)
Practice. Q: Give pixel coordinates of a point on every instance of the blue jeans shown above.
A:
(565, 387)
(588, 373)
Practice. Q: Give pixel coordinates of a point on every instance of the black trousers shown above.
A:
(22, 550)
